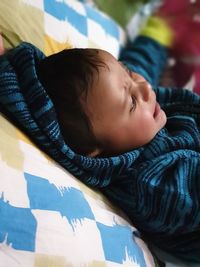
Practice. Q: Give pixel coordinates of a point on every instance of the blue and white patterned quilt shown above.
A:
(49, 218)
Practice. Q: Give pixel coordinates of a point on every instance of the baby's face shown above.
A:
(122, 108)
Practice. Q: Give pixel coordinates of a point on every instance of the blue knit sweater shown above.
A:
(157, 185)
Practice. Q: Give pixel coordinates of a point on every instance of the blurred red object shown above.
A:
(183, 16)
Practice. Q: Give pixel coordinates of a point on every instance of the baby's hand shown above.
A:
(2, 49)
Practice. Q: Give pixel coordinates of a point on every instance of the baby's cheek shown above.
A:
(151, 128)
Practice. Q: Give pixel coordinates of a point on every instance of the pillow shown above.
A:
(53, 25)
(49, 218)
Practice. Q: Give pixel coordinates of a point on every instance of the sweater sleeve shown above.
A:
(176, 97)
(147, 54)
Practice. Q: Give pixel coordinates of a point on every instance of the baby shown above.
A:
(110, 109)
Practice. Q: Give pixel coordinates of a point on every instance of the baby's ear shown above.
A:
(95, 153)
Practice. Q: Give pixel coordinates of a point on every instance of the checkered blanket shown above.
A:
(50, 219)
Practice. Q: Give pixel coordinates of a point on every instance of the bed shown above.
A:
(47, 217)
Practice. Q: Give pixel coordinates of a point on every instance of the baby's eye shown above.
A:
(133, 104)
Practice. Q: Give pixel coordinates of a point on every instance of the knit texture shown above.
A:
(157, 185)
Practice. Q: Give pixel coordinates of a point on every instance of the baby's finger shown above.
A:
(2, 50)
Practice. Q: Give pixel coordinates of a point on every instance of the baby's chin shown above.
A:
(161, 119)
(164, 118)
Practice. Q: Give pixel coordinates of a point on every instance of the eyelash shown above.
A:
(133, 107)
(133, 104)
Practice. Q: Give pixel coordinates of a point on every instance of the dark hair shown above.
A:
(67, 76)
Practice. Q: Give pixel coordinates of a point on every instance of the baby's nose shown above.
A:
(145, 90)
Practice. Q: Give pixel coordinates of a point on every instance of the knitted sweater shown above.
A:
(157, 185)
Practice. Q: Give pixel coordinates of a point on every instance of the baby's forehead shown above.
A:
(103, 54)
(111, 63)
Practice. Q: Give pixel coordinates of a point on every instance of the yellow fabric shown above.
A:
(159, 30)
(21, 22)
(51, 46)
(59, 261)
